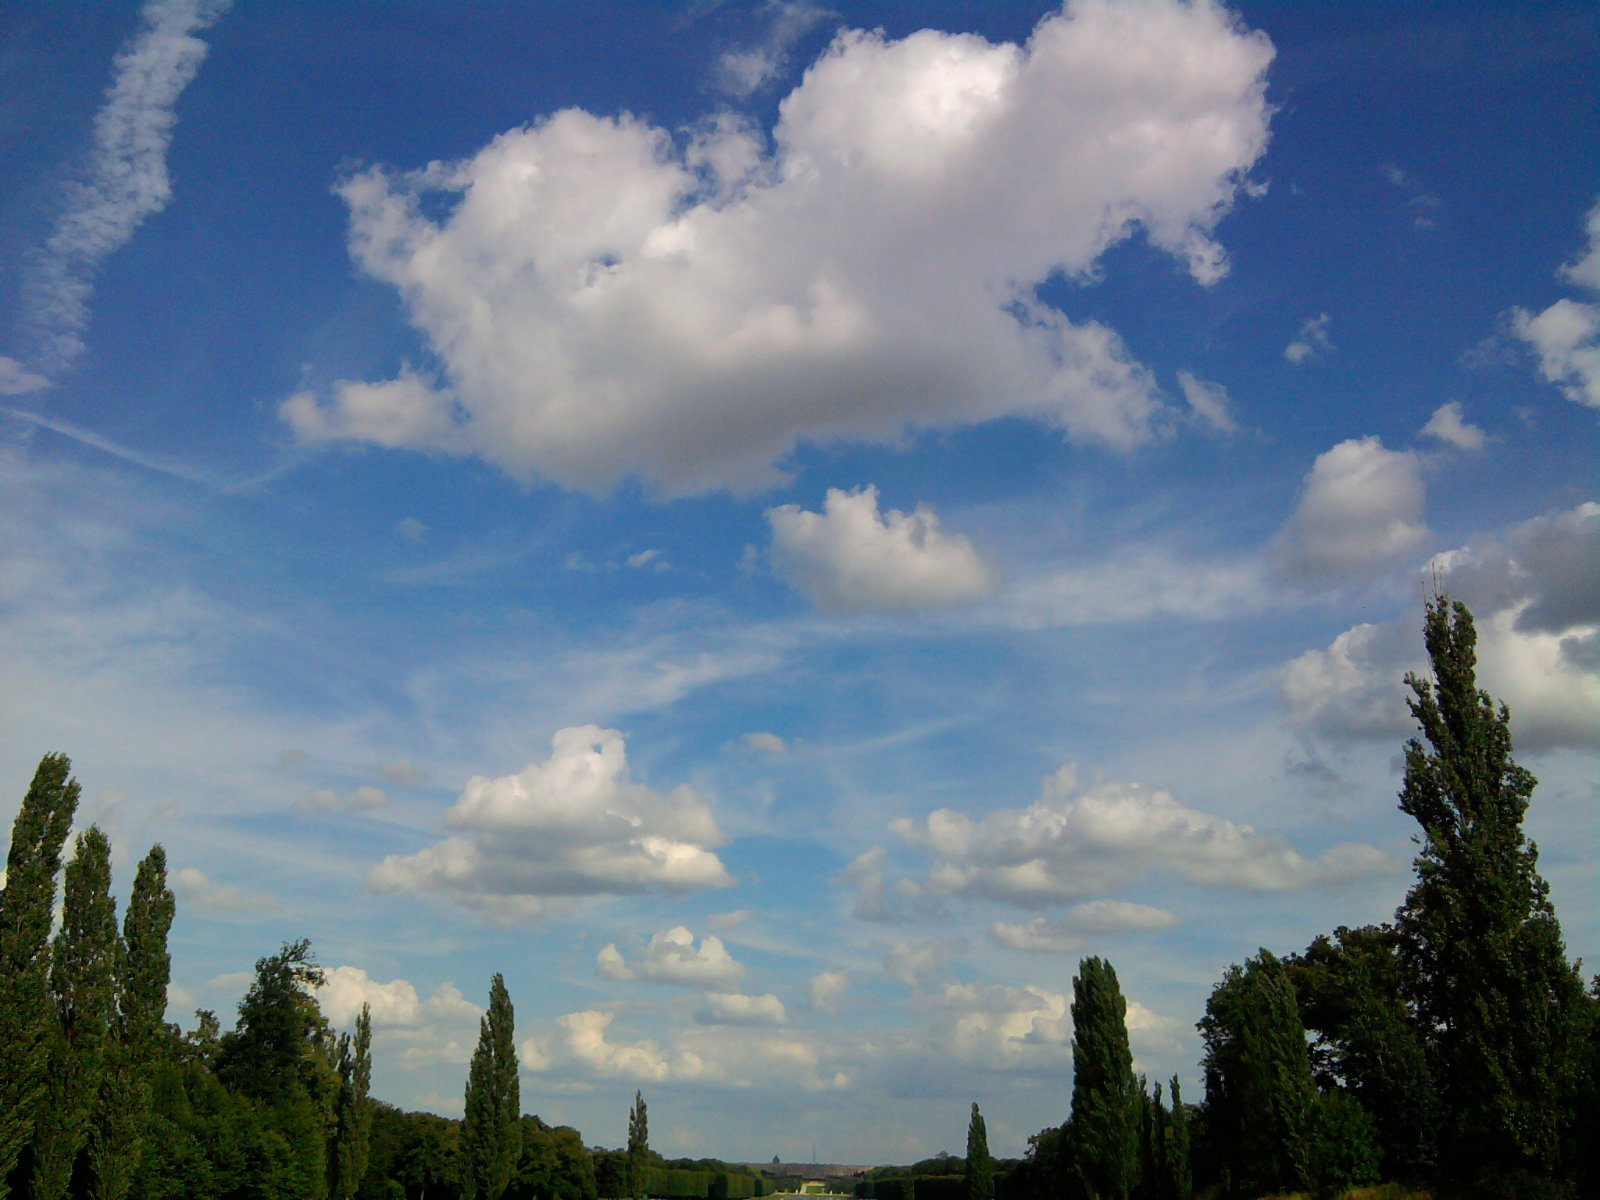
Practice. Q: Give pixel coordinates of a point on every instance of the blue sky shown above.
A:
(782, 527)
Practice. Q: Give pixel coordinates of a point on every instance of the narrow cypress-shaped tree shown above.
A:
(1105, 1095)
(980, 1167)
(82, 969)
(353, 1112)
(1497, 1000)
(638, 1147)
(136, 1034)
(26, 904)
(1175, 1149)
(1260, 1100)
(490, 1123)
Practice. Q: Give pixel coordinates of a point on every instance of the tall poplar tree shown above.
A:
(26, 904)
(82, 970)
(144, 969)
(353, 1110)
(490, 1129)
(980, 1166)
(1260, 1100)
(1106, 1100)
(638, 1147)
(1497, 1000)
(1175, 1149)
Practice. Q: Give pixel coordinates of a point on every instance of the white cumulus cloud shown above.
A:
(849, 558)
(1448, 426)
(1566, 338)
(1208, 402)
(574, 825)
(1361, 510)
(1313, 341)
(735, 1008)
(672, 957)
(1535, 598)
(826, 989)
(606, 299)
(1070, 844)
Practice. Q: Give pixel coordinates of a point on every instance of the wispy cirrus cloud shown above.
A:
(124, 181)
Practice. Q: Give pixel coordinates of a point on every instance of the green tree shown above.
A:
(26, 904)
(1176, 1175)
(353, 1111)
(1353, 993)
(1105, 1095)
(489, 1128)
(1344, 1152)
(638, 1147)
(1498, 1003)
(82, 968)
(980, 1167)
(264, 1056)
(1260, 1100)
(137, 1034)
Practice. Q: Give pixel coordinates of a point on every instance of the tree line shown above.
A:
(1454, 1048)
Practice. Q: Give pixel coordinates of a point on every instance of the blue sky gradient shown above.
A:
(781, 527)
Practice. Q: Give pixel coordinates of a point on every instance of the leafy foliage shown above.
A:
(82, 963)
(1105, 1095)
(980, 1167)
(638, 1161)
(1260, 1101)
(1498, 1004)
(32, 864)
(489, 1129)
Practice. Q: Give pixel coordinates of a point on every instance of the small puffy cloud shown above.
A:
(1070, 844)
(402, 772)
(1535, 598)
(17, 380)
(1352, 689)
(393, 1005)
(826, 989)
(743, 71)
(730, 920)
(574, 825)
(201, 894)
(849, 558)
(1566, 338)
(735, 1008)
(607, 299)
(765, 743)
(672, 957)
(413, 529)
(1585, 269)
(1058, 935)
(1448, 426)
(1112, 916)
(996, 1026)
(1361, 509)
(360, 800)
(584, 1039)
(582, 1046)
(1039, 934)
(610, 964)
(1208, 402)
(1312, 343)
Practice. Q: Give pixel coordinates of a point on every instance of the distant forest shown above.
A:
(1454, 1050)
